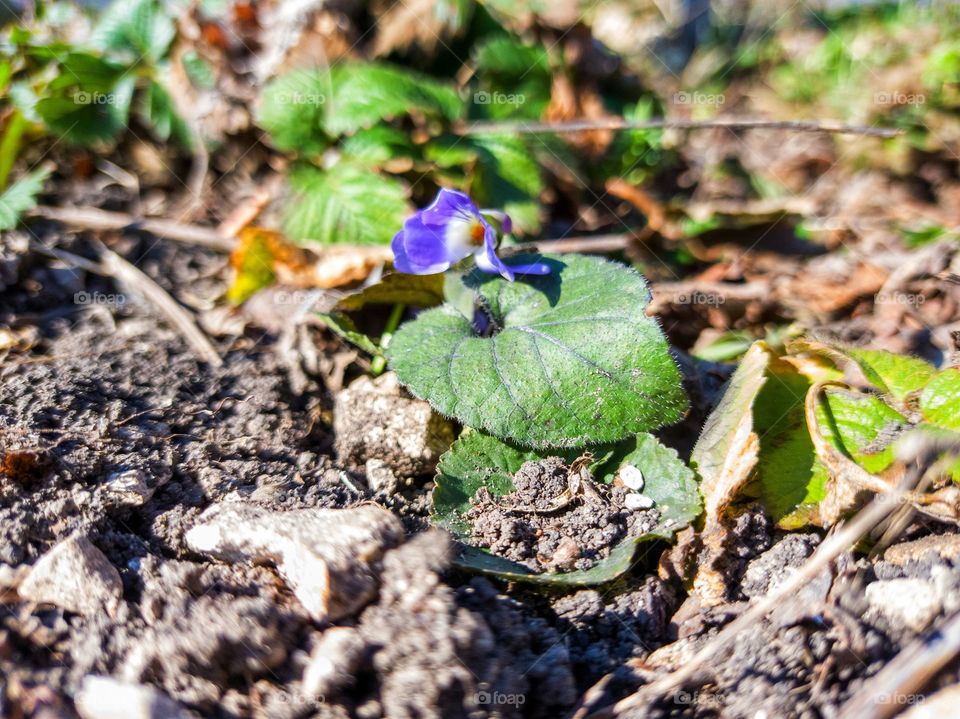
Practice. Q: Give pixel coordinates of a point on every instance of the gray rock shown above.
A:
(323, 554)
(905, 603)
(107, 698)
(374, 419)
(75, 576)
(128, 488)
(777, 563)
(380, 478)
(333, 662)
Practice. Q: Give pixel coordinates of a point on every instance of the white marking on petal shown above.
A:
(456, 236)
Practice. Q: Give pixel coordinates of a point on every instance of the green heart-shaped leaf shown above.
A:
(575, 361)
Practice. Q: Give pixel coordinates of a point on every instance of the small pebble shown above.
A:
(637, 501)
(631, 477)
(103, 697)
(75, 576)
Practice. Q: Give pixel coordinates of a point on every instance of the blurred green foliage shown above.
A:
(367, 140)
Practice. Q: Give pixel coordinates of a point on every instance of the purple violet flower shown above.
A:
(449, 230)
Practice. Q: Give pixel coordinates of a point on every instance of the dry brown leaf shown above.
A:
(725, 456)
(265, 257)
(833, 288)
(414, 22)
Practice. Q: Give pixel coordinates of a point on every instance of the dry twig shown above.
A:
(906, 675)
(92, 218)
(133, 277)
(839, 128)
(113, 265)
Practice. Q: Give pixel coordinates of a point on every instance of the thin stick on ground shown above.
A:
(832, 548)
(138, 281)
(113, 265)
(95, 219)
(616, 123)
(596, 244)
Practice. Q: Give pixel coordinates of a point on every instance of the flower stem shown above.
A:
(379, 363)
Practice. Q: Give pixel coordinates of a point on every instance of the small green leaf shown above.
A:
(478, 460)
(898, 375)
(160, 115)
(397, 288)
(508, 177)
(727, 347)
(515, 79)
(787, 464)
(21, 196)
(364, 94)
(89, 101)
(346, 204)
(377, 146)
(141, 28)
(198, 70)
(505, 58)
(855, 424)
(576, 361)
(619, 561)
(940, 399)
(291, 110)
(86, 72)
(505, 173)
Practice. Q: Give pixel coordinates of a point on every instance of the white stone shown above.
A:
(129, 488)
(380, 478)
(323, 554)
(75, 576)
(912, 603)
(107, 698)
(631, 477)
(637, 501)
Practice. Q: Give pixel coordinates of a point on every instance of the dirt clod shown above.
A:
(375, 419)
(546, 525)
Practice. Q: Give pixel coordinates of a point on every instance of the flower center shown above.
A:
(477, 233)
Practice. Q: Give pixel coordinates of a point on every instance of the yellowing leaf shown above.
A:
(252, 263)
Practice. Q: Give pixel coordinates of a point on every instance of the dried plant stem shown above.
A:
(92, 218)
(918, 453)
(113, 265)
(134, 278)
(909, 672)
(616, 123)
